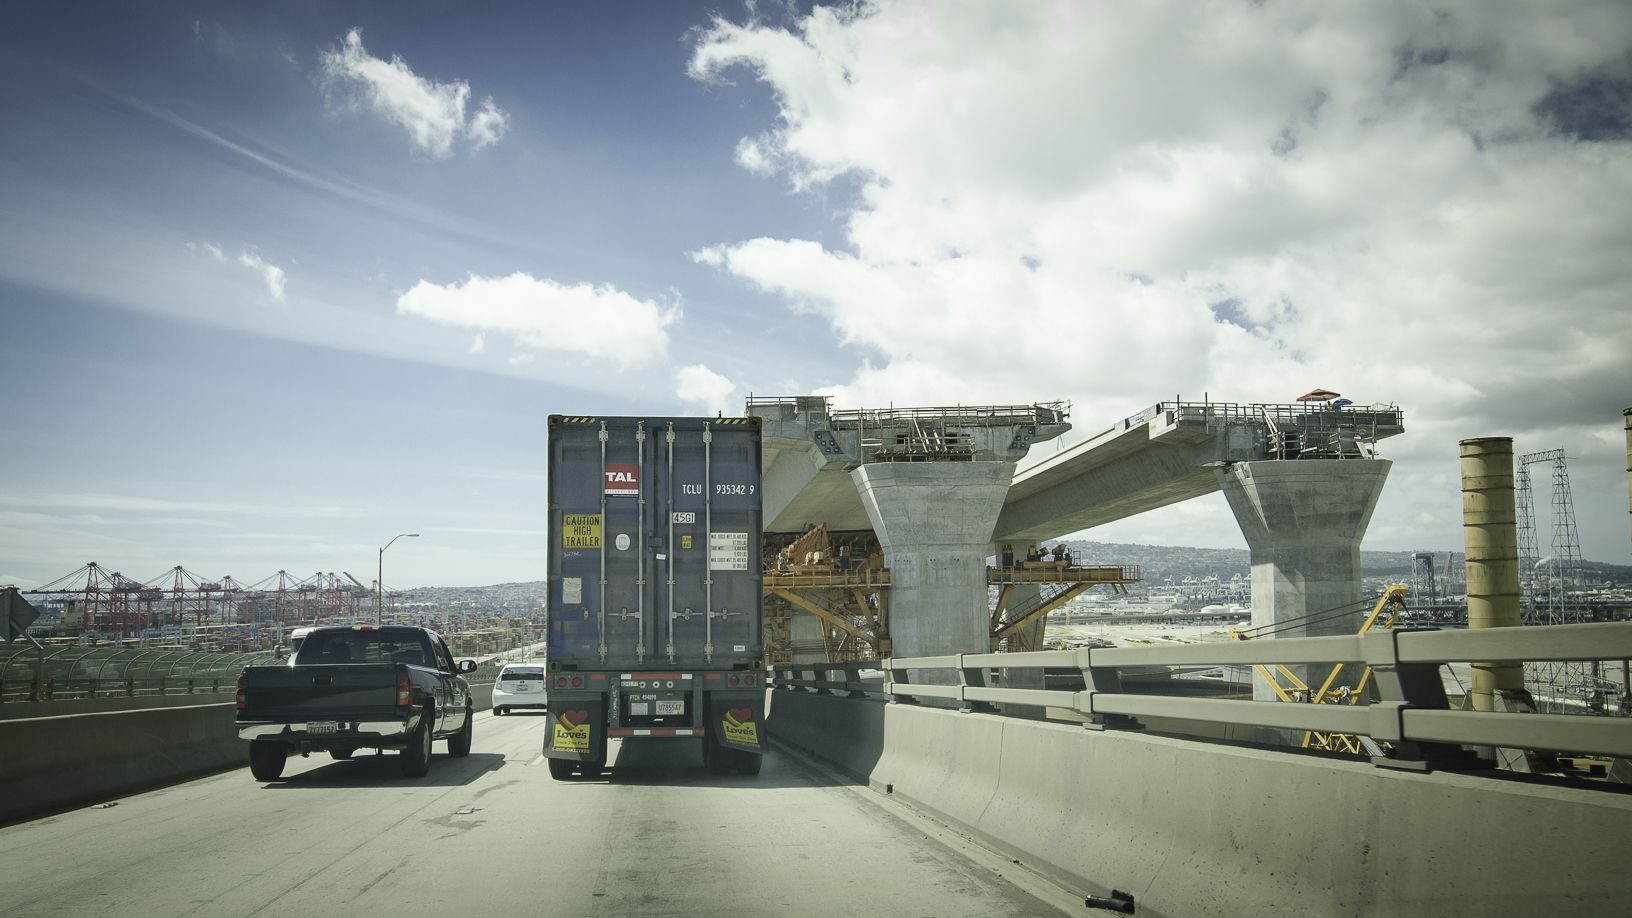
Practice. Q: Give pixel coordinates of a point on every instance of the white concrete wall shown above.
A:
(1209, 829)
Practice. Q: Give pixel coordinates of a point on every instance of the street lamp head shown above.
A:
(411, 535)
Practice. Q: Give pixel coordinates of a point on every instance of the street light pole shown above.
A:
(379, 579)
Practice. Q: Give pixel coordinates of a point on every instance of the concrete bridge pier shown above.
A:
(1303, 520)
(934, 521)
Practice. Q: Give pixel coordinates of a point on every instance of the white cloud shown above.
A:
(1119, 202)
(697, 383)
(271, 274)
(433, 113)
(599, 322)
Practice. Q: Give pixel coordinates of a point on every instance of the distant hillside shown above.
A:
(1159, 562)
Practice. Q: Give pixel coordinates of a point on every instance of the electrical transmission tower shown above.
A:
(1551, 589)
(1424, 580)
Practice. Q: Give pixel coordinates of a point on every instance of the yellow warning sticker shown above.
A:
(581, 531)
(685, 541)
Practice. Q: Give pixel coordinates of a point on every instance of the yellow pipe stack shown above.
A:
(1490, 533)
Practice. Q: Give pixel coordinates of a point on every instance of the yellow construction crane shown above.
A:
(1294, 689)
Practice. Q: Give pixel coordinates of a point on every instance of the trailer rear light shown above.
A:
(736, 680)
(241, 691)
(405, 694)
(577, 681)
(747, 680)
(560, 681)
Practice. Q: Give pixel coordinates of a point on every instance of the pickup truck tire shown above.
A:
(561, 769)
(416, 759)
(266, 760)
(459, 743)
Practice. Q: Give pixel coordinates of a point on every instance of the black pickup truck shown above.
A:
(357, 687)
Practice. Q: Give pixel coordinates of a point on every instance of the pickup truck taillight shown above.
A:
(240, 691)
(404, 694)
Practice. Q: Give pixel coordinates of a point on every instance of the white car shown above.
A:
(519, 686)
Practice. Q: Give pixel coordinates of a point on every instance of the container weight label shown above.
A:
(728, 551)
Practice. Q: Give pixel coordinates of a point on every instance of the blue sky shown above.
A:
(279, 281)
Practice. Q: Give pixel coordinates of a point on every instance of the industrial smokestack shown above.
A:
(1491, 536)
(1628, 415)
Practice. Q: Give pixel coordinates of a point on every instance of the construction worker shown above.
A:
(1008, 554)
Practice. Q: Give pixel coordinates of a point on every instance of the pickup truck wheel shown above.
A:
(266, 760)
(416, 759)
(459, 743)
(561, 769)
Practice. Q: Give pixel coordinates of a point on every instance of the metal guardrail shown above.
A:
(79, 689)
(1413, 714)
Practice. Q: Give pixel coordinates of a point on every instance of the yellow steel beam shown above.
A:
(823, 614)
(1002, 602)
(1055, 602)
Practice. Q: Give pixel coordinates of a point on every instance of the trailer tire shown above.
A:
(561, 769)
(266, 760)
(592, 769)
(718, 759)
(459, 743)
(749, 763)
(416, 759)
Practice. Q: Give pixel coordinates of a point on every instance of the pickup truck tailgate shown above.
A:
(326, 687)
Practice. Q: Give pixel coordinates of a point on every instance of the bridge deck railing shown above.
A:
(1413, 714)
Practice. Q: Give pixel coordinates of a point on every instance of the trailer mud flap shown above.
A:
(738, 723)
(577, 730)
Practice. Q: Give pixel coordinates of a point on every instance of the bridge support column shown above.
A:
(1303, 520)
(934, 521)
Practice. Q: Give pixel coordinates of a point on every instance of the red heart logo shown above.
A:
(740, 715)
(571, 719)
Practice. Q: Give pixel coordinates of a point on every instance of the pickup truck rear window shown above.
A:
(342, 647)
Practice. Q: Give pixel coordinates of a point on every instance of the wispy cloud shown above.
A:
(116, 502)
(271, 274)
(433, 113)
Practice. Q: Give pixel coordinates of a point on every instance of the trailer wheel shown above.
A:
(459, 743)
(748, 763)
(716, 758)
(266, 760)
(592, 769)
(416, 759)
(561, 769)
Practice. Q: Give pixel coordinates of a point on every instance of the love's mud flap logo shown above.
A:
(739, 728)
(571, 732)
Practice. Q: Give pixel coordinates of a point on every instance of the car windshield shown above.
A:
(341, 647)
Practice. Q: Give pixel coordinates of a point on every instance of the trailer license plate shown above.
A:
(670, 707)
(324, 726)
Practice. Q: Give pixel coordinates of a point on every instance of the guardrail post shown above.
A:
(1101, 680)
(852, 680)
(821, 675)
(130, 687)
(1404, 686)
(91, 691)
(34, 688)
(973, 675)
(892, 676)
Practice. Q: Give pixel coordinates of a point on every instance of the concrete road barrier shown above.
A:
(56, 761)
(1198, 828)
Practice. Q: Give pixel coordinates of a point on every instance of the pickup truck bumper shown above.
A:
(364, 731)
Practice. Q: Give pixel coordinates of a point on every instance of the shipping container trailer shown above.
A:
(655, 592)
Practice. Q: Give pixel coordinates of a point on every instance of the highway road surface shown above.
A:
(492, 836)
